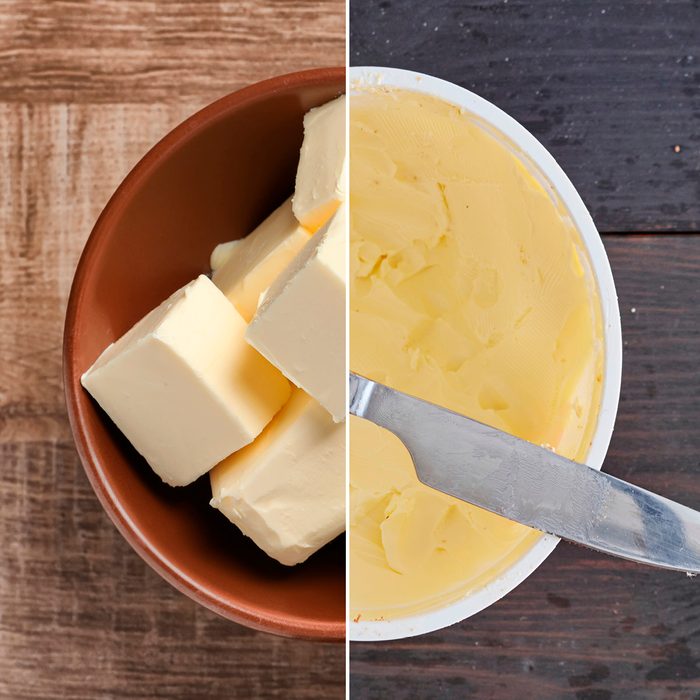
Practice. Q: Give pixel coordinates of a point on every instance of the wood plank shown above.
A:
(585, 625)
(170, 52)
(612, 89)
(83, 617)
(63, 162)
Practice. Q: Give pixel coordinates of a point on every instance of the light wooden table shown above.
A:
(85, 89)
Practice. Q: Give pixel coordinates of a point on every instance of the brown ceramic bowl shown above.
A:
(213, 178)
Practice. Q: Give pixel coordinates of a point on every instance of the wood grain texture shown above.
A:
(85, 90)
(613, 90)
(584, 625)
(164, 51)
(610, 88)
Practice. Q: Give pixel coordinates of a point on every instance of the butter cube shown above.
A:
(300, 324)
(322, 175)
(253, 263)
(222, 253)
(286, 491)
(184, 386)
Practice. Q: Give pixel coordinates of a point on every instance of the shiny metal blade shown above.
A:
(532, 485)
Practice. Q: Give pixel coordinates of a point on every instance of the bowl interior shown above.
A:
(212, 179)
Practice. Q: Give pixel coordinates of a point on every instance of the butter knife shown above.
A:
(530, 484)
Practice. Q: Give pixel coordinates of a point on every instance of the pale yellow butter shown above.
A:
(469, 288)
(222, 253)
(321, 182)
(184, 386)
(300, 324)
(246, 268)
(286, 490)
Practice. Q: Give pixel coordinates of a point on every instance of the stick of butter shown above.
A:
(256, 260)
(300, 324)
(322, 175)
(184, 386)
(286, 491)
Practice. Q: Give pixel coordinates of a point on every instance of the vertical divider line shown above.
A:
(347, 356)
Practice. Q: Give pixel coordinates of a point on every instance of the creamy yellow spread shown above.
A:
(469, 288)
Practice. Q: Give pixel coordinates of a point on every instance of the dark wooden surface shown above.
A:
(85, 89)
(609, 88)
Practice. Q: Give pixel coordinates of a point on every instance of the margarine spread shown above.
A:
(469, 288)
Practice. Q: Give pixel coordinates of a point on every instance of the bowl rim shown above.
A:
(282, 625)
(360, 77)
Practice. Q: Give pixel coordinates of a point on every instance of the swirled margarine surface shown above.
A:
(469, 288)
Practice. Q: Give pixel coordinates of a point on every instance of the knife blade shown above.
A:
(530, 484)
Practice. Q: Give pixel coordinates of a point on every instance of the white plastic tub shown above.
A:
(546, 169)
